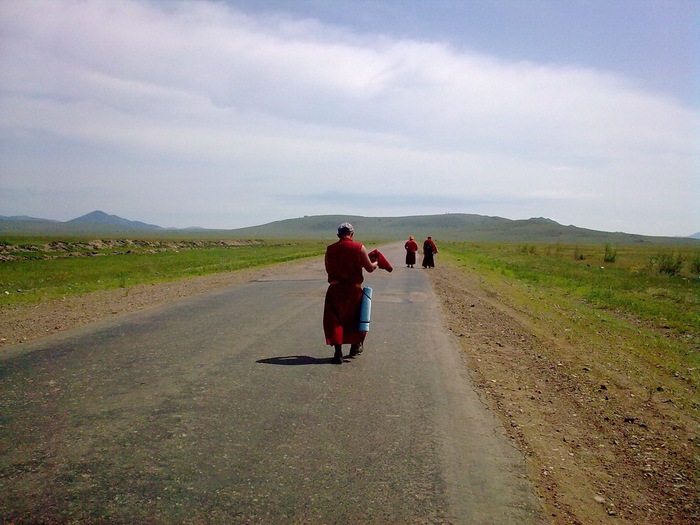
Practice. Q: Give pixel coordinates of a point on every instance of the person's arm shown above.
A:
(367, 264)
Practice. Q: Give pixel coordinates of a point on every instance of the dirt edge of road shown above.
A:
(599, 450)
(20, 324)
(596, 453)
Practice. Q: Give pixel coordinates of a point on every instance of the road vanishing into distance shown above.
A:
(225, 408)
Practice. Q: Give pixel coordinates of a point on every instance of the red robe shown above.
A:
(411, 249)
(341, 311)
(429, 250)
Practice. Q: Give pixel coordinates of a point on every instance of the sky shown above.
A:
(226, 114)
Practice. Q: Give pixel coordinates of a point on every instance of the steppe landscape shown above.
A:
(595, 382)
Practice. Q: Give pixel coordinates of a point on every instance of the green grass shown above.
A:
(628, 307)
(30, 281)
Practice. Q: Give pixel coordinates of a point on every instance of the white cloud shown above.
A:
(252, 114)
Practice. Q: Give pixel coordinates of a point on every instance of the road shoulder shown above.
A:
(596, 452)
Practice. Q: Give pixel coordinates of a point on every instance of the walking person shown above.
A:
(429, 251)
(411, 247)
(345, 261)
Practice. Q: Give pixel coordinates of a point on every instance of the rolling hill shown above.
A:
(93, 223)
(446, 227)
(449, 227)
(100, 217)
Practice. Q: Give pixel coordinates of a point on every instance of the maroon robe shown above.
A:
(411, 249)
(429, 250)
(341, 311)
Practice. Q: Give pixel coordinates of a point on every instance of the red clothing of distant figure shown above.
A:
(429, 246)
(429, 249)
(341, 311)
(411, 247)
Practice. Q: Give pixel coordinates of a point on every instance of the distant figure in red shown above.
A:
(411, 249)
(429, 250)
(345, 261)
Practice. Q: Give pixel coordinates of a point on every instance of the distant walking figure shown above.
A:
(411, 249)
(429, 250)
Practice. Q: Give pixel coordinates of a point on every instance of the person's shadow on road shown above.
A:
(295, 360)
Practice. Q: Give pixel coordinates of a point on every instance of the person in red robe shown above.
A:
(345, 261)
(411, 247)
(429, 251)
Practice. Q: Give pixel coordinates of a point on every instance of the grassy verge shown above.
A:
(65, 269)
(629, 310)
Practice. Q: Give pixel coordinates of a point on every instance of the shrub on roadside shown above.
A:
(695, 264)
(668, 263)
(610, 254)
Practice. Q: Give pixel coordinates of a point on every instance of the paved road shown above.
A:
(225, 408)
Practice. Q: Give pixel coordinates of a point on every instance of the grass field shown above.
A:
(47, 270)
(633, 307)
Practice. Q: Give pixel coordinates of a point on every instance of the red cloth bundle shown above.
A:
(376, 255)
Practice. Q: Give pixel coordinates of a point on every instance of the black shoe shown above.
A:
(355, 350)
(337, 360)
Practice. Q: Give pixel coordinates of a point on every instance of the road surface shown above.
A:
(225, 408)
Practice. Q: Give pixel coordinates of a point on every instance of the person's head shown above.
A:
(430, 238)
(345, 230)
(410, 237)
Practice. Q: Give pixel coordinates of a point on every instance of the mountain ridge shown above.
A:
(450, 226)
(100, 217)
(96, 222)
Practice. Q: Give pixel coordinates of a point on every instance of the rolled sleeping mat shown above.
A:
(365, 309)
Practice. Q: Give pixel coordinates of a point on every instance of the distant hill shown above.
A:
(94, 223)
(446, 227)
(24, 218)
(695, 236)
(449, 227)
(100, 217)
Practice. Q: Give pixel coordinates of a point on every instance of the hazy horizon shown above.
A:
(348, 216)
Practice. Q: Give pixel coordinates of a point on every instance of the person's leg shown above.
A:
(338, 357)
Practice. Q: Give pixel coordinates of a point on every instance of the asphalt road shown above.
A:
(225, 408)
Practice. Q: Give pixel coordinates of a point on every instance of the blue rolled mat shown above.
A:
(365, 309)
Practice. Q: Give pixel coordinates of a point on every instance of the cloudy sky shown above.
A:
(236, 113)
